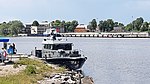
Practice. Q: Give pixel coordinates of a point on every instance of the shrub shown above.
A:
(30, 69)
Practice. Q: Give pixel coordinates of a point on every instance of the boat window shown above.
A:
(47, 46)
(62, 46)
(68, 47)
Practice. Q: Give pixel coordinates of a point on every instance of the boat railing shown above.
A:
(73, 53)
(62, 53)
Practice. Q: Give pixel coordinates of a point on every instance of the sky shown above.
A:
(84, 11)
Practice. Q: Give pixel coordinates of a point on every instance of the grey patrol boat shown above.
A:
(59, 51)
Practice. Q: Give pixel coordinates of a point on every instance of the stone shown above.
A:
(68, 77)
(87, 80)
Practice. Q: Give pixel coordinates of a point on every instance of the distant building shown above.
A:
(117, 29)
(27, 29)
(36, 29)
(60, 30)
(81, 28)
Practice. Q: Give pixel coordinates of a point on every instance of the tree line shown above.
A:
(138, 25)
(11, 28)
(104, 25)
(68, 26)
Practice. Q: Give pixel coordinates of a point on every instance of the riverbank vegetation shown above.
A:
(13, 28)
(35, 70)
(137, 25)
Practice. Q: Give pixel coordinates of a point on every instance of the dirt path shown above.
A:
(8, 69)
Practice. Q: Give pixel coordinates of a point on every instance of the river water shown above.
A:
(110, 60)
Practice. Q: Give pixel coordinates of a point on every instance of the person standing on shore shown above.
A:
(3, 54)
(14, 48)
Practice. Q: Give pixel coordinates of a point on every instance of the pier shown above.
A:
(108, 35)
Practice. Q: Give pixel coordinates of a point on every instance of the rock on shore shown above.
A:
(68, 77)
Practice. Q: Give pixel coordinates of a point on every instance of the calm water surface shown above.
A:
(110, 61)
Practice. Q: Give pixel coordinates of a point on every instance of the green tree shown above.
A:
(35, 23)
(144, 27)
(137, 23)
(89, 26)
(117, 24)
(105, 26)
(93, 25)
(11, 28)
(15, 27)
(57, 23)
(4, 29)
(63, 24)
(74, 24)
(101, 26)
(129, 27)
(121, 25)
(68, 26)
(110, 23)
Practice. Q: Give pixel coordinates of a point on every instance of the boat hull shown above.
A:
(71, 63)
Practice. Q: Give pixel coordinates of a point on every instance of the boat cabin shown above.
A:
(51, 44)
(64, 46)
(56, 48)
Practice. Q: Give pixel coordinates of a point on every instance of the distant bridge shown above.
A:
(108, 35)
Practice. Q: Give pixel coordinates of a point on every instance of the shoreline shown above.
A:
(86, 37)
(55, 77)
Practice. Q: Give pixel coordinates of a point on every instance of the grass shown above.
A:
(35, 70)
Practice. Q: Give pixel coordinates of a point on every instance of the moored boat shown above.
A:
(59, 51)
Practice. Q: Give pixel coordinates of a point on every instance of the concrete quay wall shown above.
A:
(108, 35)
